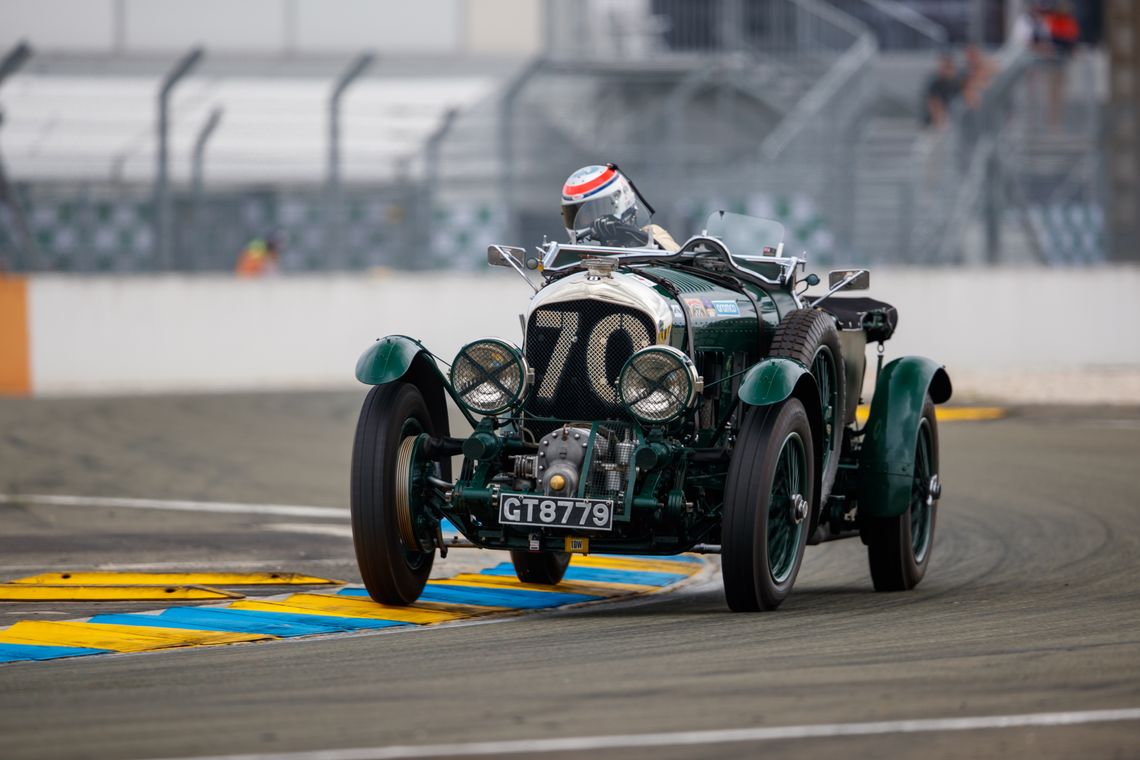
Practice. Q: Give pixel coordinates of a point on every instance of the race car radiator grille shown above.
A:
(577, 349)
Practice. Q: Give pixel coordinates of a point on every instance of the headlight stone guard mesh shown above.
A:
(488, 376)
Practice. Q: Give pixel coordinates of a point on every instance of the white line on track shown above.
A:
(175, 505)
(312, 529)
(691, 738)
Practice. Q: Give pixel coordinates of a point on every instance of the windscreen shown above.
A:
(746, 236)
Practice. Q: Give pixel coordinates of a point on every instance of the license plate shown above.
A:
(556, 511)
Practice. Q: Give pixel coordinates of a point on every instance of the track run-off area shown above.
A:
(1022, 640)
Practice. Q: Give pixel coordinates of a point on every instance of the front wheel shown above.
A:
(384, 503)
(767, 507)
(545, 568)
(898, 548)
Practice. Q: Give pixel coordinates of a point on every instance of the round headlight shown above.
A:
(489, 376)
(658, 384)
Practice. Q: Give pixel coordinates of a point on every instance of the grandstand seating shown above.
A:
(274, 129)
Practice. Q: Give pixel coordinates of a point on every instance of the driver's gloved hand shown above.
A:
(605, 229)
(609, 230)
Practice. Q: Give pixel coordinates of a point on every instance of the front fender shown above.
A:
(388, 359)
(775, 380)
(400, 358)
(770, 381)
(886, 464)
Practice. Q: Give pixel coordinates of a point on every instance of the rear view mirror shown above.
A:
(856, 279)
(509, 256)
(505, 256)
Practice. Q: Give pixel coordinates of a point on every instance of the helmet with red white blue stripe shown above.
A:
(596, 192)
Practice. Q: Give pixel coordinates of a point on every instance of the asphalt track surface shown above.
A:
(1031, 605)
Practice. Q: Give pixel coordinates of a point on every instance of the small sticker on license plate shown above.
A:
(578, 544)
(556, 511)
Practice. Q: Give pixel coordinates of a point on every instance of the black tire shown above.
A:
(808, 336)
(899, 548)
(392, 573)
(755, 515)
(546, 568)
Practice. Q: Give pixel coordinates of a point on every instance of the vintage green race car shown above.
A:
(661, 403)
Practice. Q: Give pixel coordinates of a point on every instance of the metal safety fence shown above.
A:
(770, 107)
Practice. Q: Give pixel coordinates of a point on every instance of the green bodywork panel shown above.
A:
(886, 465)
(388, 359)
(722, 319)
(771, 381)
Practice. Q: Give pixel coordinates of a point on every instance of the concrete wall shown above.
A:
(1052, 334)
(111, 335)
(502, 28)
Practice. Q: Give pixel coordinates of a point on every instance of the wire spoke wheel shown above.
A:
(899, 547)
(810, 338)
(389, 491)
(922, 497)
(823, 369)
(767, 506)
(411, 490)
(785, 519)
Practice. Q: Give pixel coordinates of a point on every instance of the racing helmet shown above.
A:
(595, 192)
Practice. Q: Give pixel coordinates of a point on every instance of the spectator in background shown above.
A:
(976, 76)
(1035, 32)
(1063, 34)
(942, 90)
(259, 258)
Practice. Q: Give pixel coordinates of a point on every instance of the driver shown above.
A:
(599, 205)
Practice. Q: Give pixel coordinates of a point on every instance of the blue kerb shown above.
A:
(653, 557)
(17, 652)
(601, 575)
(271, 623)
(519, 599)
(229, 621)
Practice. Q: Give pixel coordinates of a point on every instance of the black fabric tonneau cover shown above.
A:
(876, 318)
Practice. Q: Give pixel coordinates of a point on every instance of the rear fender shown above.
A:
(398, 358)
(775, 380)
(886, 463)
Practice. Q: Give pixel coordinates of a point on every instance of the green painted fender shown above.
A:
(398, 357)
(388, 359)
(775, 380)
(886, 464)
(770, 381)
